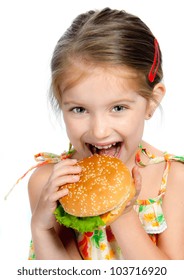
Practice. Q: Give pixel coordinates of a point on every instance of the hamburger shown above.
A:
(99, 197)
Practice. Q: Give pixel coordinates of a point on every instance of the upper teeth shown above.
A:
(105, 147)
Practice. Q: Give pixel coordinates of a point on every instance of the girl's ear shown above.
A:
(157, 95)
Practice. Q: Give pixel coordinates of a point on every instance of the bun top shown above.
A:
(105, 183)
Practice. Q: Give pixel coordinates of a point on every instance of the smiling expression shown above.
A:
(104, 114)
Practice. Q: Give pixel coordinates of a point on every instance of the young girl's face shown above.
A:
(104, 114)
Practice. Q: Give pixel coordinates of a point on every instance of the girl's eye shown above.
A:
(78, 110)
(118, 108)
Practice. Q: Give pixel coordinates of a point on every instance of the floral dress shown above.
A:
(101, 243)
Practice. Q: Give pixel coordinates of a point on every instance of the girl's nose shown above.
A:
(100, 127)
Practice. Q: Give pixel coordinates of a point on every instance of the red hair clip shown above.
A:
(156, 62)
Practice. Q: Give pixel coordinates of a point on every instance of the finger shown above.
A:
(129, 206)
(137, 179)
(66, 162)
(131, 202)
(61, 181)
(57, 195)
(65, 170)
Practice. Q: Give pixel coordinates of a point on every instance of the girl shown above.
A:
(106, 80)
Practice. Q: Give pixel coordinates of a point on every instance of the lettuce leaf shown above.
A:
(86, 224)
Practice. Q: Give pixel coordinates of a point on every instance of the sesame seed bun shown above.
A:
(104, 189)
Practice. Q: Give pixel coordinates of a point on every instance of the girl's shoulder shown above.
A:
(37, 181)
(41, 174)
(176, 175)
(152, 150)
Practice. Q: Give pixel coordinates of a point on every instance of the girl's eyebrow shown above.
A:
(71, 103)
(124, 100)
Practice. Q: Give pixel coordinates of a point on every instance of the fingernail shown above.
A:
(65, 191)
(76, 177)
(79, 168)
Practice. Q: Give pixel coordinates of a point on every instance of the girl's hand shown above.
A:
(63, 172)
(137, 181)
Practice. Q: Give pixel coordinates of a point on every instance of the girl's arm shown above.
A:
(47, 245)
(135, 242)
(172, 239)
(51, 241)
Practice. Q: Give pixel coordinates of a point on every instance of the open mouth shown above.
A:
(110, 149)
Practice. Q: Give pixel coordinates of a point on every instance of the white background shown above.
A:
(29, 31)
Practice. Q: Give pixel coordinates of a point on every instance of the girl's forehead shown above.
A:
(102, 87)
(118, 75)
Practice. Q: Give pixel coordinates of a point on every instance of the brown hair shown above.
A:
(104, 38)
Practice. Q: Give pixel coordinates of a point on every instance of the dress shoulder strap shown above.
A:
(152, 159)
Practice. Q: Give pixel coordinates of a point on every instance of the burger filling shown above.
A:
(109, 150)
(86, 224)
